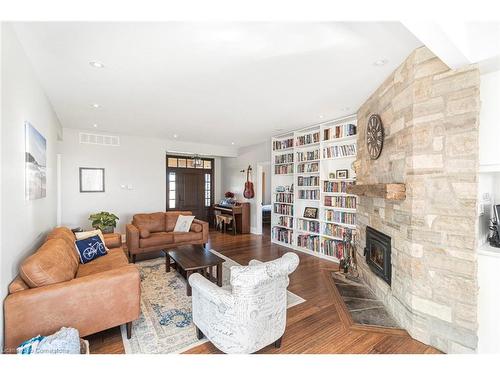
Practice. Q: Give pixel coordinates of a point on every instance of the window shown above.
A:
(207, 164)
(207, 189)
(171, 190)
(172, 162)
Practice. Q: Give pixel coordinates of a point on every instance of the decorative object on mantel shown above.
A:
(91, 180)
(393, 192)
(342, 174)
(104, 221)
(332, 176)
(374, 136)
(248, 193)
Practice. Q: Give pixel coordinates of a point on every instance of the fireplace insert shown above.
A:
(378, 253)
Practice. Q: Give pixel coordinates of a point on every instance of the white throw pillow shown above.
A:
(91, 233)
(183, 223)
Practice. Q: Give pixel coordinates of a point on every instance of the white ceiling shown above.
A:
(214, 83)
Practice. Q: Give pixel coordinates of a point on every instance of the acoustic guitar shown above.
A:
(248, 193)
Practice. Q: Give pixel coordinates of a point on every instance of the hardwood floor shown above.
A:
(318, 325)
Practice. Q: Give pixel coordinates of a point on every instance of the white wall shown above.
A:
(26, 222)
(138, 162)
(489, 128)
(233, 180)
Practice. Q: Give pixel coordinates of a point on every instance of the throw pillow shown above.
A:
(197, 228)
(91, 233)
(183, 223)
(90, 249)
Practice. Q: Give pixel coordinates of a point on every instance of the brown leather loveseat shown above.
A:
(54, 290)
(153, 232)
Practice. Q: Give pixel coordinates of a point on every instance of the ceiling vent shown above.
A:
(99, 139)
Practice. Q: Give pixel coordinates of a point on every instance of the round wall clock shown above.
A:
(374, 136)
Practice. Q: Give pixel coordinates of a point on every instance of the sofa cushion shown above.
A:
(116, 258)
(187, 236)
(154, 222)
(196, 227)
(144, 232)
(67, 235)
(52, 263)
(90, 248)
(156, 239)
(171, 219)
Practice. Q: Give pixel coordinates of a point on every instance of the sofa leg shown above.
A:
(129, 330)
(199, 334)
(205, 246)
(277, 343)
(133, 258)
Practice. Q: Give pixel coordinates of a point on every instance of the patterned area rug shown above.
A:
(165, 325)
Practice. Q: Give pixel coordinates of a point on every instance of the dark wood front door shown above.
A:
(189, 186)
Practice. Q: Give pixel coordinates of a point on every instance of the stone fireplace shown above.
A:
(378, 253)
(431, 117)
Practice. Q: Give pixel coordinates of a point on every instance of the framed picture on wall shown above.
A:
(311, 213)
(342, 173)
(35, 164)
(91, 180)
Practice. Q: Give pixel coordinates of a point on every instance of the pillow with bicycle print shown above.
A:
(90, 249)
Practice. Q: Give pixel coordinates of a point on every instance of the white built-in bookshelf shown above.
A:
(302, 165)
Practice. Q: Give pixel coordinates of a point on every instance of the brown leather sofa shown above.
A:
(54, 290)
(153, 232)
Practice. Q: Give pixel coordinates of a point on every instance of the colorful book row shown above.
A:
(340, 217)
(339, 131)
(307, 139)
(308, 155)
(336, 186)
(308, 225)
(283, 158)
(308, 181)
(280, 145)
(340, 202)
(338, 151)
(284, 197)
(283, 169)
(308, 167)
(283, 209)
(307, 241)
(283, 235)
(309, 194)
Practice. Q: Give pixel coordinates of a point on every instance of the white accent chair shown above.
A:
(249, 314)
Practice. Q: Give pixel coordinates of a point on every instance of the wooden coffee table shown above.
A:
(194, 258)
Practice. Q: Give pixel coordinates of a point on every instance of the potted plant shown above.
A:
(104, 221)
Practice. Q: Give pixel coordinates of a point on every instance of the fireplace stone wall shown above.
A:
(431, 117)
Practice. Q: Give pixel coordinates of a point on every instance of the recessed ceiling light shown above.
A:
(95, 105)
(380, 62)
(232, 143)
(95, 125)
(96, 64)
(175, 136)
(321, 116)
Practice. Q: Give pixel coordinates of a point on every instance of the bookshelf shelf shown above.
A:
(310, 147)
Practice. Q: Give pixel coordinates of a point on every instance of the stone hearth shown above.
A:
(363, 306)
(431, 116)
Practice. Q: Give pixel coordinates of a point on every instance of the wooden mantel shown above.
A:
(393, 192)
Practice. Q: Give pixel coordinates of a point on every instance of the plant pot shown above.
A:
(107, 229)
